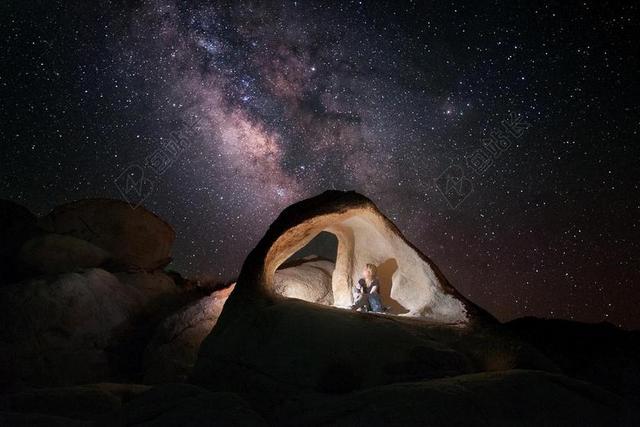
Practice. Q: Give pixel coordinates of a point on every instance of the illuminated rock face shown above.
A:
(309, 280)
(411, 283)
(269, 344)
(131, 236)
(172, 351)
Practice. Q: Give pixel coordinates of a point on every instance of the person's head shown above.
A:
(369, 271)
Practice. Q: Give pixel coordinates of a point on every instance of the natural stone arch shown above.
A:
(272, 345)
(364, 235)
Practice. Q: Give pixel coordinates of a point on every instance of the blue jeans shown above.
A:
(375, 302)
(362, 301)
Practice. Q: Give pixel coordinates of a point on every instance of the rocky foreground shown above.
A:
(97, 331)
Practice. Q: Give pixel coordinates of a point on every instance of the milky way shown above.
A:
(501, 138)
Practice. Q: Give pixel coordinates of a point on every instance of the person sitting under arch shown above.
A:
(367, 291)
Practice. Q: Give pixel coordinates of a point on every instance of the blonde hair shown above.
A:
(372, 268)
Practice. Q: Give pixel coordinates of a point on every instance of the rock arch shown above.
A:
(364, 235)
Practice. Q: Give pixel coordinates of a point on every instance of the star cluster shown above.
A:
(226, 112)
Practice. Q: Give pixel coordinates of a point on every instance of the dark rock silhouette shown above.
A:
(17, 225)
(133, 236)
(71, 319)
(57, 253)
(60, 329)
(173, 349)
(97, 333)
(599, 353)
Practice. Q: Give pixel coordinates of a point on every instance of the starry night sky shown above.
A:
(224, 113)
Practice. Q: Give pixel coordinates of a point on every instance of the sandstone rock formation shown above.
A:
(155, 287)
(131, 236)
(60, 330)
(72, 322)
(309, 280)
(364, 235)
(56, 253)
(172, 352)
(516, 397)
(88, 325)
(85, 405)
(336, 349)
(188, 405)
(276, 351)
(508, 398)
(596, 352)
(173, 349)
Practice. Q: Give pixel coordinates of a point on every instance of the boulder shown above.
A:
(154, 286)
(507, 398)
(597, 352)
(308, 280)
(173, 350)
(61, 328)
(15, 419)
(187, 405)
(291, 345)
(131, 236)
(79, 402)
(264, 341)
(56, 253)
(87, 404)
(410, 281)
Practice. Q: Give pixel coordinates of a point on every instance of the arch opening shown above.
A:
(324, 245)
(412, 285)
(315, 270)
(307, 274)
